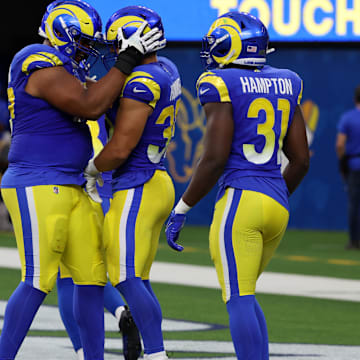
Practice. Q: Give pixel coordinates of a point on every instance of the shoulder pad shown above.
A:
(143, 87)
(212, 88)
(39, 57)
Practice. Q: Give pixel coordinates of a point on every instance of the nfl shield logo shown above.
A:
(56, 190)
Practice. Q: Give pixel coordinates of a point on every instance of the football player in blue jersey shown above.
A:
(51, 144)
(252, 112)
(113, 301)
(143, 192)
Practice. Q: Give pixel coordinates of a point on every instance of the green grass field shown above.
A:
(290, 319)
(300, 252)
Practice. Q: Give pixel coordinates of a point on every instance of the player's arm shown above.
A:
(63, 91)
(296, 150)
(129, 125)
(90, 81)
(340, 145)
(217, 146)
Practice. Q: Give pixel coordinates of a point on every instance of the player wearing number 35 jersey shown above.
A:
(253, 113)
(143, 193)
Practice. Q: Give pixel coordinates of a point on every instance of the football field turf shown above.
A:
(291, 319)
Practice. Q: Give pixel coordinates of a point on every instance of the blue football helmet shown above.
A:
(73, 27)
(235, 38)
(129, 20)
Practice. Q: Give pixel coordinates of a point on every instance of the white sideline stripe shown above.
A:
(268, 283)
(36, 347)
(205, 276)
(9, 258)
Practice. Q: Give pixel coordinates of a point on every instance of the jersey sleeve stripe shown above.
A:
(137, 74)
(219, 84)
(40, 57)
(150, 84)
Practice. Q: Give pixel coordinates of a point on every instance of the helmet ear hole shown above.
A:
(223, 51)
(57, 32)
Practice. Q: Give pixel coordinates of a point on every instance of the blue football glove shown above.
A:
(173, 228)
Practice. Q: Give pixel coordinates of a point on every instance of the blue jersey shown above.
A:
(158, 85)
(349, 125)
(263, 102)
(48, 146)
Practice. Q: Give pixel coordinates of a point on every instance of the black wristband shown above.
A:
(128, 59)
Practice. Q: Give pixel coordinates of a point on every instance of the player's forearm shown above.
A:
(294, 173)
(111, 157)
(206, 174)
(101, 95)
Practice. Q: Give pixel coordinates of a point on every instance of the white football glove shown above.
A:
(144, 43)
(93, 176)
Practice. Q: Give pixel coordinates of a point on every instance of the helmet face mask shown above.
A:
(85, 48)
(235, 38)
(72, 27)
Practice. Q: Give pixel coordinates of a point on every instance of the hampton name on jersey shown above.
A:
(47, 145)
(158, 85)
(263, 102)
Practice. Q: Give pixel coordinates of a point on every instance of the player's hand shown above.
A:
(132, 50)
(173, 228)
(93, 176)
(144, 43)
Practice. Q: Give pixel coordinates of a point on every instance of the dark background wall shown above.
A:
(19, 22)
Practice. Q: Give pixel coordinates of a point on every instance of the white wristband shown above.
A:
(181, 207)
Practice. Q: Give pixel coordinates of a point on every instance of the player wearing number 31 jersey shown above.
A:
(263, 104)
(252, 113)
